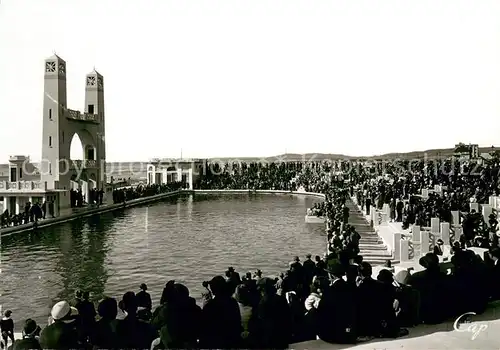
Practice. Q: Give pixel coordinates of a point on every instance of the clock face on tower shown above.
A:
(99, 82)
(62, 69)
(50, 67)
(90, 81)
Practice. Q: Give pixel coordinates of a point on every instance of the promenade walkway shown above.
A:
(371, 246)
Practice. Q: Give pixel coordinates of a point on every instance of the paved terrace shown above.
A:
(483, 333)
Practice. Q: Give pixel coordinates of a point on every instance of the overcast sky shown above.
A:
(258, 77)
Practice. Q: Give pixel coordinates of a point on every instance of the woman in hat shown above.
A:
(61, 333)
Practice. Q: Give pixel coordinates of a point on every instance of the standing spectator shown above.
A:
(7, 327)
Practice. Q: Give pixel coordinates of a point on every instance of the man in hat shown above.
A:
(273, 317)
(438, 248)
(494, 254)
(144, 298)
(221, 320)
(429, 283)
(61, 334)
(30, 341)
(337, 309)
(308, 267)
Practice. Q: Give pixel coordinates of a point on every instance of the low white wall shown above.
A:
(313, 194)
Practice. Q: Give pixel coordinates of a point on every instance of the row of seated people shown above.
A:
(127, 194)
(342, 304)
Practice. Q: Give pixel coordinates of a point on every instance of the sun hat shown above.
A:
(60, 310)
(63, 311)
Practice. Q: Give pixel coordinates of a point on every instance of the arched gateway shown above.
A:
(60, 124)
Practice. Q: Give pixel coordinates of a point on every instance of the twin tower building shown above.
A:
(61, 123)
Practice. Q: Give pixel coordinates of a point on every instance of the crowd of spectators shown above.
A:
(125, 194)
(32, 213)
(334, 298)
(400, 186)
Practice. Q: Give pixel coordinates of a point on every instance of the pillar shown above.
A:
(190, 178)
(435, 225)
(164, 176)
(387, 210)
(415, 230)
(17, 206)
(455, 217)
(57, 204)
(487, 210)
(404, 250)
(474, 206)
(425, 193)
(30, 199)
(179, 175)
(492, 201)
(424, 243)
(445, 232)
(6, 204)
(396, 246)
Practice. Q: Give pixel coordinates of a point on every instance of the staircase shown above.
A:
(371, 246)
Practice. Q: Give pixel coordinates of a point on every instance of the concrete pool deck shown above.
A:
(74, 214)
(482, 333)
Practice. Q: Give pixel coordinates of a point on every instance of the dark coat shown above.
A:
(221, 324)
(26, 344)
(59, 335)
(336, 314)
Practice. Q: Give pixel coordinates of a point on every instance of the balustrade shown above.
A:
(77, 115)
(23, 185)
(84, 164)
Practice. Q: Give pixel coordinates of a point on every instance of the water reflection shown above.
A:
(49, 265)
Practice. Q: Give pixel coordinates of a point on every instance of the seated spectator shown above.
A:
(183, 321)
(62, 332)
(337, 309)
(105, 330)
(245, 299)
(221, 319)
(429, 283)
(144, 298)
(31, 332)
(273, 317)
(132, 332)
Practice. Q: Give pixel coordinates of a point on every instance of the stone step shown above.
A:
(371, 239)
(378, 262)
(372, 247)
(376, 257)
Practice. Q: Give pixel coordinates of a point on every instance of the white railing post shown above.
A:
(404, 250)
(435, 225)
(487, 210)
(474, 206)
(445, 232)
(424, 242)
(397, 246)
(415, 232)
